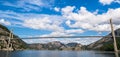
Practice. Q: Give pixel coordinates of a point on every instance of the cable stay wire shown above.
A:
(64, 37)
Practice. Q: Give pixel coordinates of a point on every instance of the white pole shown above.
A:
(113, 35)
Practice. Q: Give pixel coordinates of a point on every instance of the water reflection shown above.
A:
(4, 54)
(47, 53)
(117, 54)
(7, 54)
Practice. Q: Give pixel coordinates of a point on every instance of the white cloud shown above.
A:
(45, 23)
(49, 22)
(69, 32)
(88, 20)
(108, 2)
(103, 27)
(83, 19)
(28, 5)
(67, 9)
(104, 2)
(74, 31)
(35, 21)
(2, 21)
(57, 33)
(57, 9)
(30, 41)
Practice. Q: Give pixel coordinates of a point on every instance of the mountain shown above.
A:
(17, 43)
(56, 45)
(106, 43)
(74, 46)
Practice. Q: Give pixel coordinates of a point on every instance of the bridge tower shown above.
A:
(113, 35)
(9, 45)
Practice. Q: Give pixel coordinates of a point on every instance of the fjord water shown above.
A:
(47, 53)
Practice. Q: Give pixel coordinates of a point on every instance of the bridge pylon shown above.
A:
(113, 35)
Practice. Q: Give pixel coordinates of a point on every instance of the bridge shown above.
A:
(9, 44)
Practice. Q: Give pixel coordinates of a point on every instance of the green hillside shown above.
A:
(106, 43)
(109, 46)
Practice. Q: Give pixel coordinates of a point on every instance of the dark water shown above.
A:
(46, 53)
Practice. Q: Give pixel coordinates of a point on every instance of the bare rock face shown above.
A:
(16, 44)
(56, 45)
(74, 46)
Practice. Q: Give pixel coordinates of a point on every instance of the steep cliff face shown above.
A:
(17, 43)
(105, 43)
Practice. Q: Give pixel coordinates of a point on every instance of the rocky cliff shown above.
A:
(106, 43)
(17, 43)
(56, 45)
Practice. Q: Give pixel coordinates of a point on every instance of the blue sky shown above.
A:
(29, 18)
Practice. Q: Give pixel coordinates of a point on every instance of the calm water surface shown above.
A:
(46, 53)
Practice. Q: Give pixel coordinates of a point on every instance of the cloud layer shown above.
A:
(59, 21)
(108, 2)
(91, 20)
(29, 5)
(78, 22)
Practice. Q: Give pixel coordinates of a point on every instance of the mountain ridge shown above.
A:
(106, 43)
(56, 45)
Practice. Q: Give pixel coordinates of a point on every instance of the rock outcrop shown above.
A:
(16, 43)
